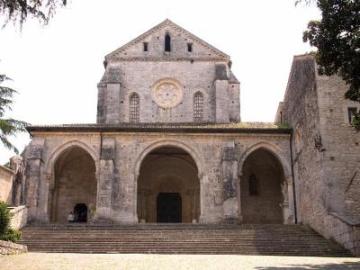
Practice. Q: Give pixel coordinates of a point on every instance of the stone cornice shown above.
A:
(168, 59)
(162, 128)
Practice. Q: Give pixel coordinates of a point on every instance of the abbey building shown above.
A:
(169, 146)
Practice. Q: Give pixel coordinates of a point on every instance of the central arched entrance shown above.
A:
(168, 187)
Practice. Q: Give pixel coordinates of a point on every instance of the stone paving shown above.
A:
(48, 261)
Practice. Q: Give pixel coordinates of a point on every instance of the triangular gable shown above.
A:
(167, 23)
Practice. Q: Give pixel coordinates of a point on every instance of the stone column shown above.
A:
(229, 174)
(288, 201)
(17, 165)
(195, 205)
(144, 193)
(241, 178)
(33, 177)
(101, 105)
(205, 197)
(211, 198)
(189, 193)
(106, 178)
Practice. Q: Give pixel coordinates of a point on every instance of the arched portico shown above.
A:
(265, 187)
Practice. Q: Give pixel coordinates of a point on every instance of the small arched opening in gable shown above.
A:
(167, 43)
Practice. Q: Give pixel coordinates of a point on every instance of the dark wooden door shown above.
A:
(80, 212)
(169, 208)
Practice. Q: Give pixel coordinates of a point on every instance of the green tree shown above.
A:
(337, 38)
(19, 11)
(8, 126)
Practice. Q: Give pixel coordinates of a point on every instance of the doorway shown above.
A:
(169, 208)
(80, 212)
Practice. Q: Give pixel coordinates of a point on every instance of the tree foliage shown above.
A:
(337, 38)
(7, 233)
(8, 126)
(19, 11)
(4, 218)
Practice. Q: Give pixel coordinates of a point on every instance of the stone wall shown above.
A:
(19, 217)
(6, 184)
(131, 70)
(9, 248)
(341, 163)
(221, 100)
(300, 111)
(325, 150)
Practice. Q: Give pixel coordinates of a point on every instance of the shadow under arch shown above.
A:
(169, 143)
(265, 183)
(274, 150)
(72, 175)
(64, 147)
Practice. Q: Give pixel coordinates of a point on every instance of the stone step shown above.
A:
(180, 238)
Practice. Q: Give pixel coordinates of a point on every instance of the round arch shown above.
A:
(169, 143)
(168, 175)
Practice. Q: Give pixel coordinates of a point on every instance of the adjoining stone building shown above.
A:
(325, 152)
(168, 146)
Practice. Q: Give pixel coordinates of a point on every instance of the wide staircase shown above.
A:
(294, 240)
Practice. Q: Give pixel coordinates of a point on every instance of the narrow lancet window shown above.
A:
(167, 43)
(134, 108)
(198, 107)
(189, 47)
(145, 45)
(351, 114)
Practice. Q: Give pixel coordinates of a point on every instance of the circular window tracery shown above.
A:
(167, 93)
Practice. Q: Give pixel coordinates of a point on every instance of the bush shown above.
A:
(6, 233)
(11, 235)
(356, 121)
(4, 218)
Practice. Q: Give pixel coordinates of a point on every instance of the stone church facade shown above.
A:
(169, 146)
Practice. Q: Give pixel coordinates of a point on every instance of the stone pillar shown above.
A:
(229, 174)
(241, 178)
(144, 193)
(33, 177)
(288, 201)
(101, 106)
(108, 109)
(221, 94)
(106, 179)
(205, 199)
(211, 198)
(17, 165)
(113, 103)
